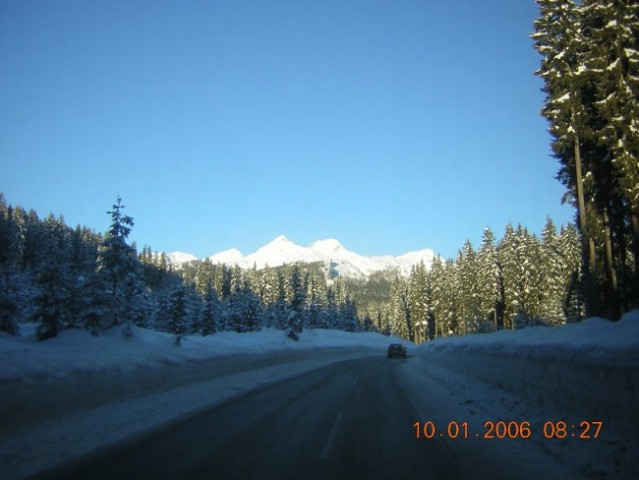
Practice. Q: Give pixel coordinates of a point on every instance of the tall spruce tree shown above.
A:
(117, 261)
(489, 285)
(400, 318)
(419, 302)
(590, 67)
(558, 38)
(53, 279)
(468, 271)
(553, 287)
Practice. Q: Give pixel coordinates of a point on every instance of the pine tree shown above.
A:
(400, 316)
(438, 294)
(177, 313)
(10, 260)
(552, 271)
(419, 302)
(489, 286)
(612, 28)
(116, 261)
(468, 271)
(509, 260)
(315, 300)
(205, 277)
(590, 67)
(348, 315)
(296, 294)
(210, 314)
(52, 302)
(558, 38)
(569, 250)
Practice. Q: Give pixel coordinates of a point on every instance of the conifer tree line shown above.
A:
(64, 278)
(521, 280)
(590, 69)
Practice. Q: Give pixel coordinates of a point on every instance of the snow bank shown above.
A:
(593, 340)
(580, 372)
(77, 351)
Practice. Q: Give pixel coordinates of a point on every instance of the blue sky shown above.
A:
(391, 126)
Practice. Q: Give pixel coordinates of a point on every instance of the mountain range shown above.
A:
(330, 252)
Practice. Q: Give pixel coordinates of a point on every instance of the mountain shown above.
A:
(330, 252)
(178, 258)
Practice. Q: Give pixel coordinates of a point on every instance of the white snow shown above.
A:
(330, 251)
(178, 258)
(123, 387)
(580, 372)
(613, 65)
(231, 256)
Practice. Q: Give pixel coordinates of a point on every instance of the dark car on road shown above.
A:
(396, 350)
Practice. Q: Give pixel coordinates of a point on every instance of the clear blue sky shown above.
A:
(389, 125)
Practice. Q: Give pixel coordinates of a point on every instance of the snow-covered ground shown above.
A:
(575, 373)
(63, 398)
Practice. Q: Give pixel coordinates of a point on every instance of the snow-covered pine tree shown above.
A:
(468, 271)
(612, 30)
(533, 295)
(315, 300)
(53, 279)
(419, 302)
(210, 313)
(295, 316)
(508, 254)
(11, 244)
(400, 316)
(137, 301)
(268, 286)
(329, 315)
(116, 261)
(570, 251)
(558, 38)
(489, 286)
(177, 313)
(552, 268)
(348, 314)
(205, 277)
(450, 298)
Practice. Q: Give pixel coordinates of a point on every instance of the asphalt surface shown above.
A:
(349, 420)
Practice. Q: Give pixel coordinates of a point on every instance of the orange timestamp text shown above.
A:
(501, 429)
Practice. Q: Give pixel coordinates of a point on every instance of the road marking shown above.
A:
(331, 437)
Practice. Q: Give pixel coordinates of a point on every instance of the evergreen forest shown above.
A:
(62, 277)
(65, 278)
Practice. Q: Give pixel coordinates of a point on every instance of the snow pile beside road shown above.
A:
(594, 339)
(77, 351)
(66, 397)
(580, 372)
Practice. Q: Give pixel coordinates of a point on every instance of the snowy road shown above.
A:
(329, 406)
(352, 419)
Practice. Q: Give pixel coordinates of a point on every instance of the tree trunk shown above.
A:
(588, 245)
(612, 287)
(634, 291)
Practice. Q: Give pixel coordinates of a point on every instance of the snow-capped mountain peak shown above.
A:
(178, 258)
(330, 252)
(229, 257)
(328, 246)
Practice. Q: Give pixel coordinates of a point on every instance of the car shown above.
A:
(396, 350)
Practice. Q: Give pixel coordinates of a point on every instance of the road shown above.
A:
(350, 420)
